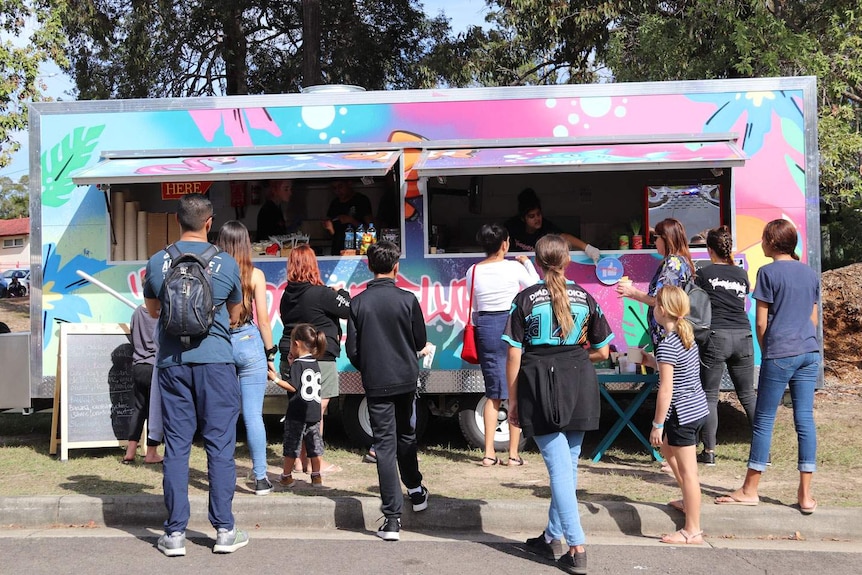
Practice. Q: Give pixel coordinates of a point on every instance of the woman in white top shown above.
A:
(494, 284)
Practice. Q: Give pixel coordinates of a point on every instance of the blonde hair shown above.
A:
(675, 304)
(552, 255)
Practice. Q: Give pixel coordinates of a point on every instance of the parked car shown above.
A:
(15, 283)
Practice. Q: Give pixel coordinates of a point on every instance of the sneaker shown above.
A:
(539, 546)
(262, 486)
(173, 545)
(419, 499)
(369, 457)
(707, 458)
(230, 541)
(390, 530)
(316, 480)
(575, 564)
(287, 481)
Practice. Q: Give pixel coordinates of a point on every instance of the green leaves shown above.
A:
(635, 329)
(59, 162)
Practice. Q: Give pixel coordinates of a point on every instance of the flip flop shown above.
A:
(128, 461)
(494, 461)
(331, 468)
(687, 538)
(516, 462)
(808, 510)
(731, 500)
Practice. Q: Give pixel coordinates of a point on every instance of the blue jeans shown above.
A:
(250, 360)
(205, 397)
(493, 352)
(561, 451)
(800, 372)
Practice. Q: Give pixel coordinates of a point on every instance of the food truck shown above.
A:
(607, 160)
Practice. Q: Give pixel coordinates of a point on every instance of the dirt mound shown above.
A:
(841, 293)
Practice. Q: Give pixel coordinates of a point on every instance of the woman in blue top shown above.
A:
(555, 331)
(676, 269)
(787, 292)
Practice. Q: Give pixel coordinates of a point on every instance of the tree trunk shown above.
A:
(311, 75)
(235, 49)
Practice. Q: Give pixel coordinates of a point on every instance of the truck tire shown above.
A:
(473, 427)
(357, 426)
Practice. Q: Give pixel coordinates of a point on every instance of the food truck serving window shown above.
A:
(594, 190)
(282, 198)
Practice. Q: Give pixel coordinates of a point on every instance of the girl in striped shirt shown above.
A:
(681, 407)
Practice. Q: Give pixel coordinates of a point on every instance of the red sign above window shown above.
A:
(176, 190)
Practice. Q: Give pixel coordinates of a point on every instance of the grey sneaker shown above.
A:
(540, 547)
(230, 541)
(173, 545)
(262, 486)
(575, 564)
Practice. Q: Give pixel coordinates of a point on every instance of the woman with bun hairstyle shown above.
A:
(555, 331)
(493, 283)
(731, 342)
(787, 294)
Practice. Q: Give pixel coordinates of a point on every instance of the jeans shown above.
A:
(800, 372)
(204, 397)
(734, 348)
(250, 359)
(493, 352)
(561, 451)
(395, 447)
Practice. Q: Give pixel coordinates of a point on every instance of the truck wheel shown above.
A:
(473, 426)
(357, 425)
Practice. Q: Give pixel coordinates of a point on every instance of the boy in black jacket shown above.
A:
(385, 331)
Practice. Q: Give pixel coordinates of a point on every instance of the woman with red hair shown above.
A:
(307, 300)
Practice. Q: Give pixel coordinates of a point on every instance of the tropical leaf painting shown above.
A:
(71, 153)
(635, 330)
(795, 138)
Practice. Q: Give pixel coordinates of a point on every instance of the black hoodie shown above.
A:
(321, 306)
(385, 330)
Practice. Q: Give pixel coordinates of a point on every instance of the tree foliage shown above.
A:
(30, 35)
(14, 198)
(157, 48)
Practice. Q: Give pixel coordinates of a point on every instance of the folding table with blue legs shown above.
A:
(647, 383)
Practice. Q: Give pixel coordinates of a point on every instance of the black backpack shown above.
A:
(700, 315)
(187, 295)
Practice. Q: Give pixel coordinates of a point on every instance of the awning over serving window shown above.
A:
(348, 164)
(584, 158)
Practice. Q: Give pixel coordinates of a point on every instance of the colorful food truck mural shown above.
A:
(607, 161)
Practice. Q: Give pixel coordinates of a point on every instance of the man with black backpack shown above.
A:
(195, 289)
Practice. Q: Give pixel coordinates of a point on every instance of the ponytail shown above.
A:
(312, 339)
(675, 304)
(552, 255)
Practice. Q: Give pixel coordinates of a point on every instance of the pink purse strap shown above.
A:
(472, 287)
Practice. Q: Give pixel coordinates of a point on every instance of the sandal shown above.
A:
(493, 461)
(687, 539)
(516, 462)
(128, 461)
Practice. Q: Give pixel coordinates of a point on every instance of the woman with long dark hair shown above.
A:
(253, 350)
(730, 341)
(493, 283)
(676, 269)
(307, 300)
(555, 331)
(787, 292)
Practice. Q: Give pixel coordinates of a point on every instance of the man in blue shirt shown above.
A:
(199, 388)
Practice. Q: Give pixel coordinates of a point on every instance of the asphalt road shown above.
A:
(101, 550)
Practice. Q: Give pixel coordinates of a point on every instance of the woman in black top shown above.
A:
(730, 340)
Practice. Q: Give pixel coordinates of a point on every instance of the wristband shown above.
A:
(657, 425)
(270, 353)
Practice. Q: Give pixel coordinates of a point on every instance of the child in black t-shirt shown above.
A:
(302, 420)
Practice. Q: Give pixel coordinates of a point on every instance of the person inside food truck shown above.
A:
(348, 208)
(270, 218)
(529, 225)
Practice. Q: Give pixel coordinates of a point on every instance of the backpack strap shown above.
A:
(209, 253)
(173, 252)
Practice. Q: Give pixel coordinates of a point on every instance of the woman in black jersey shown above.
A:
(730, 342)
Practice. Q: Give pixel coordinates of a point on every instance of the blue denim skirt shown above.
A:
(493, 351)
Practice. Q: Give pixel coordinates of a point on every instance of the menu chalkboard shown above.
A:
(96, 396)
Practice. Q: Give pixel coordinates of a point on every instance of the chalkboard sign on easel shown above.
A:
(95, 381)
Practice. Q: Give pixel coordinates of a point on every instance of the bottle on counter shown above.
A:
(357, 242)
(349, 238)
(372, 232)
